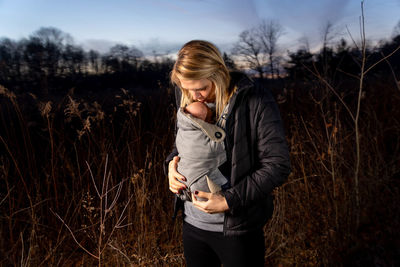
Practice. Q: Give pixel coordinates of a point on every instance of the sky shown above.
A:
(164, 26)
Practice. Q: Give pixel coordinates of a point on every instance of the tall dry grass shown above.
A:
(316, 221)
(340, 204)
(82, 182)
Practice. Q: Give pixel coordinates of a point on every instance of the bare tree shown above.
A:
(8, 68)
(304, 44)
(48, 44)
(135, 55)
(258, 46)
(53, 35)
(328, 34)
(250, 49)
(74, 59)
(121, 56)
(269, 32)
(94, 61)
(396, 30)
(230, 64)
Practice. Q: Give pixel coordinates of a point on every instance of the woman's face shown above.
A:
(200, 90)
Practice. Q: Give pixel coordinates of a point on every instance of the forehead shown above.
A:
(194, 84)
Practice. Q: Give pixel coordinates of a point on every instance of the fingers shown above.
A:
(172, 169)
(176, 159)
(203, 194)
(173, 164)
(178, 176)
(174, 177)
(176, 187)
(214, 204)
(201, 205)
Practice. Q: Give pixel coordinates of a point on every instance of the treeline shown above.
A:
(49, 62)
(342, 61)
(259, 49)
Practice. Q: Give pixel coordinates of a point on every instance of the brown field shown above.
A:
(81, 180)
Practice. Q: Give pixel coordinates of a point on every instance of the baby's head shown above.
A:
(200, 111)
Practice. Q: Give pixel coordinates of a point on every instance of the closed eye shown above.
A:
(197, 90)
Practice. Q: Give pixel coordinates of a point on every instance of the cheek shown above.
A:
(192, 94)
(209, 94)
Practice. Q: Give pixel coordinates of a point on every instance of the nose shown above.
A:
(196, 95)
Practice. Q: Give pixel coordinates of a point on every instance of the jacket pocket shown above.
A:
(251, 218)
(238, 221)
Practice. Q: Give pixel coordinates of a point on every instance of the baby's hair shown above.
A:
(200, 110)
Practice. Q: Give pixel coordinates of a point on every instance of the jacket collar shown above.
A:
(243, 84)
(241, 81)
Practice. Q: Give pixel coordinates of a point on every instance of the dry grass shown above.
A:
(316, 220)
(82, 184)
(76, 176)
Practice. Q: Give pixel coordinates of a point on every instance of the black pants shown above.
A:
(205, 248)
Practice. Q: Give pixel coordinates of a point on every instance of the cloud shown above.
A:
(99, 45)
(308, 14)
(241, 13)
(159, 47)
(308, 17)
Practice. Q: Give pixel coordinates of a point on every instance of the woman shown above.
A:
(257, 160)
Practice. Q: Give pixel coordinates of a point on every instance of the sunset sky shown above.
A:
(164, 25)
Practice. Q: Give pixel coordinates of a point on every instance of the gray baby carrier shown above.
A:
(201, 150)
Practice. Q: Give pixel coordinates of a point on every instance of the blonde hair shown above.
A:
(198, 60)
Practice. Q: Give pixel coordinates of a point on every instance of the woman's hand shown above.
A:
(174, 176)
(216, 203)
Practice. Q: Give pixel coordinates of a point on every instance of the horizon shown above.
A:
(149, 26)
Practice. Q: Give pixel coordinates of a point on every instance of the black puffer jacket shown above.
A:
(258, 156)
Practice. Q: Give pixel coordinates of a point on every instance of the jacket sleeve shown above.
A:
(169, 158)
(271, 165)
(174, 152)
(178, 203)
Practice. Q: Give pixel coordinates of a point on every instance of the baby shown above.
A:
(200, 111)
(201, 149)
